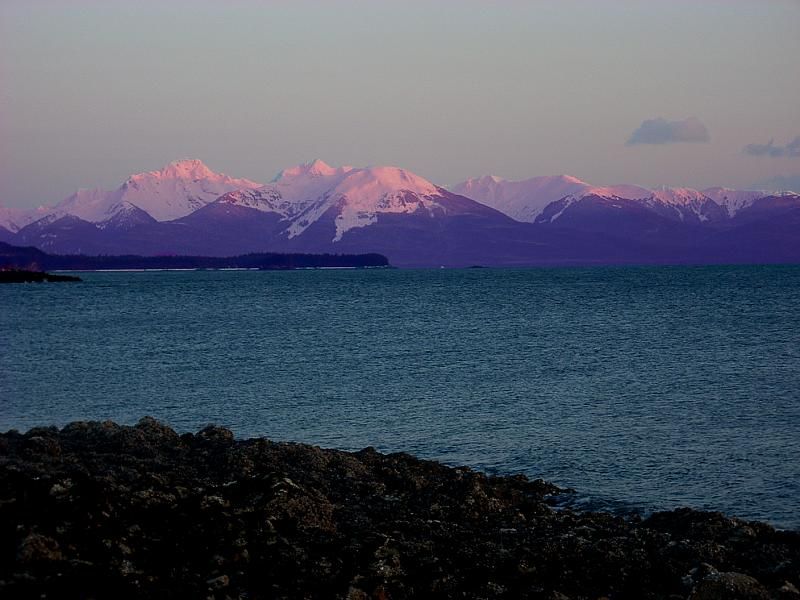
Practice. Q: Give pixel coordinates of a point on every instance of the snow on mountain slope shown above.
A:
(310, 171)
(88, 204)
(305, 185)
(263, 199)
(685, 204)
(526, 200)
(677, 196)
(365, 193)
(292, 191)
(521, 200)
(733, 200)
(178, 189)
(11, 218)
(340, 199)
(14, 219)
(358, 196)
(124, 216)
(624, 190)
(303, 194)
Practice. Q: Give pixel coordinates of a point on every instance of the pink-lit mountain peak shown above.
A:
(356, 194)
(527, 199)
(374, 181)
(350, 178)
(492, 184)
(309, 192)
(188, 170)
(14, 219)
(678, 195)
(521, 200)
(314, 168)
(176, 190)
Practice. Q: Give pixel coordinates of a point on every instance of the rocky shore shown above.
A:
(99, 510)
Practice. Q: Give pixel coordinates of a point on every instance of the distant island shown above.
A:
(33, 259)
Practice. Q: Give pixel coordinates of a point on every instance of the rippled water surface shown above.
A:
(642, 388)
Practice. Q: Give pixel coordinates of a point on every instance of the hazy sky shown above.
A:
(649, 92)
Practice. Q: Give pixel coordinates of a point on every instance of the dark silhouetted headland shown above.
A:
(23, 276)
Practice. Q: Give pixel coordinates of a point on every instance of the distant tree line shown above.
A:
(34, 259)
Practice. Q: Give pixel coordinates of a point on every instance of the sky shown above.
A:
(683, 93)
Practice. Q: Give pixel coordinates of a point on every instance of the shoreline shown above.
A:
(139, 511)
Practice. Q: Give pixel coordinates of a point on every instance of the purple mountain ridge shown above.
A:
(186, 208)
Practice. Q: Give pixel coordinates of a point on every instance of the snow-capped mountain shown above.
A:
(174, 191)
(124, 216)
(685, 204)
(310, 207)
(292, 191)
(178, 189)
(350, 197)
(527, 200)
(11, 220)
(520, 200)
(734, 200)
(185, 208)
(93, 205)
(14, 219)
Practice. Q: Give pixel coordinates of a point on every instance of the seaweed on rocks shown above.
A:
(100, 510)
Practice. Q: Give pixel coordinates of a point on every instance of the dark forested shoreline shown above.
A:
(99, 510)
(30, 258)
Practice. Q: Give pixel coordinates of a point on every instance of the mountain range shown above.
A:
(188, 209)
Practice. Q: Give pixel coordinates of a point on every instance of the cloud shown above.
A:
(791, 150)
(661, 131)
(788, 183)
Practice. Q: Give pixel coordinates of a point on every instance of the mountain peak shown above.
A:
(372, 182)
(319, 167)
(315, 168)
(522, 200)
(188, 168)
(484, 180)
(570, 179)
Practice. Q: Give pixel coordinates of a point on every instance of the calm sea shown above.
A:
(642, 388)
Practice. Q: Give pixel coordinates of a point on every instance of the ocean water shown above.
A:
(642, 388)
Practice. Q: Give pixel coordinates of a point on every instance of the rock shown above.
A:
(38, 548)
(156, 431)
(43, 445)
(213, 433)
(788, 591)
(103, 510)
(61, 488)
(729, 586)
(217, 583)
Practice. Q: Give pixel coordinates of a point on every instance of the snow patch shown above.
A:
(733, 200)
(521, 200)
